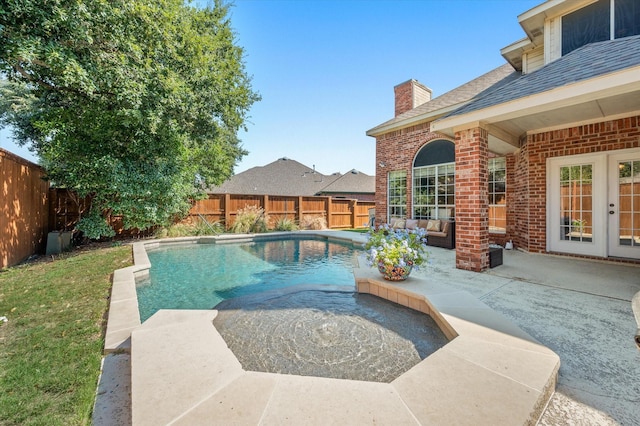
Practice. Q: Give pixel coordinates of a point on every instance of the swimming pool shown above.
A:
(199, 276)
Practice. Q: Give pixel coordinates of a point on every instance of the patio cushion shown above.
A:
(433, 225)
(399, 224)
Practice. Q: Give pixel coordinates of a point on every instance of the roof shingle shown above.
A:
(353, 182)
(586, 62)
(486, 82)
(289, 177)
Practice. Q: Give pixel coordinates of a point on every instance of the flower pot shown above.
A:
(394, 272)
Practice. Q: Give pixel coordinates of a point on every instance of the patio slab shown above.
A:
(175, 365)
(587, 394)
(182, 371)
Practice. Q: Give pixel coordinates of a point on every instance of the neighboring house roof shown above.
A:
(587, 62)
(289, 177)
(353, 182)
(450, 100)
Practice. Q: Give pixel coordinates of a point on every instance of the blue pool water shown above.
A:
(200, 276)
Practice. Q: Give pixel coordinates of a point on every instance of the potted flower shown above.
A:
(396, 251)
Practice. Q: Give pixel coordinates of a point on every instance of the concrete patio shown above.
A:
(581, 310)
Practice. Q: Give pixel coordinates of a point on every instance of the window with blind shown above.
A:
(593, 23)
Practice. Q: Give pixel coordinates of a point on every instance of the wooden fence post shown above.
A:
(265, 202)
(298, 210)
(353, 205)
(226, 210)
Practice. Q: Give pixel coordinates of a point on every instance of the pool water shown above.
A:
(326, 333)
(200, 276)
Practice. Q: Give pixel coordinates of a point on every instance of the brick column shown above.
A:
(472, 206)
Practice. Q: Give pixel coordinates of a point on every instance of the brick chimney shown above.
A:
(409, 95)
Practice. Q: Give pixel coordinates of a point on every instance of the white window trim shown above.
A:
(554, 244)
(389, 195)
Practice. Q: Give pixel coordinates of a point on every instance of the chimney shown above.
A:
(409, 95)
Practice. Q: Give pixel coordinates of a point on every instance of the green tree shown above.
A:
(137, 103)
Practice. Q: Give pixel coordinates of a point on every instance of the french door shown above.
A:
(624, 204)
(594, 204)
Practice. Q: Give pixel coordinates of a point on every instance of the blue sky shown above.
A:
(326, 68)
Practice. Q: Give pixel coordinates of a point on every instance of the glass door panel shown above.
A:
(629, 203)
(576, 206)
(624, 205)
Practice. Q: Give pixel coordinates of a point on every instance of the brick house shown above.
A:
(543, 151)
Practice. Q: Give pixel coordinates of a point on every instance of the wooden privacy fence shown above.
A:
(24, 209)
(66, 209)
(338, 212)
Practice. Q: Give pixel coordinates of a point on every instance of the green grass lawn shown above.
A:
(51, 346)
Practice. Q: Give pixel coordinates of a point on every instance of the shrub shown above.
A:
(94, 226)
(313, 222)
(249, 219)
(285, 224)
(204, 227)
(190, 229)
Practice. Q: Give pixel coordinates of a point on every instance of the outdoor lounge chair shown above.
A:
(440, 233)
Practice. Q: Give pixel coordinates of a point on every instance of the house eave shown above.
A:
(532, 21)
(582, 92)
(418, 119)
(513, 52)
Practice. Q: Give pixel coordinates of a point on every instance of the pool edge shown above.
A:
(123, 315)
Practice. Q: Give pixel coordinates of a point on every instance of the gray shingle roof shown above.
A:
(353, 182)
(589, 61)
(486, 82)
(281, 177)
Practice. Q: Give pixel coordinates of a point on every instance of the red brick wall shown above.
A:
(531, 171)
(472, 202)
(409, 95)
(526, 179)
(520, 207)
(397, 150)
(403, 97)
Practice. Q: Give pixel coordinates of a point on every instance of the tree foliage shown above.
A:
(135, 102)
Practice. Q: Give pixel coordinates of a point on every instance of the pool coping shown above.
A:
(491, 372)
(124, 317)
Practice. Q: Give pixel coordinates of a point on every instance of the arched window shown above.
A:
(434, 181)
